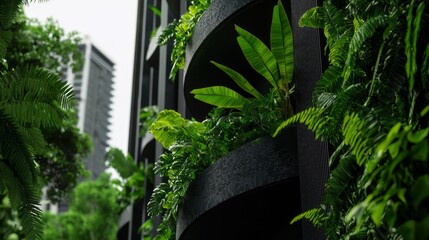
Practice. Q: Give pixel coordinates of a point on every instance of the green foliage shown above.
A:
(35, 104)
(46, 45)
(31, 99)
(61, 162)
(275, 65)
(365, 105)
(181, 31)
(147, 117)
(192, 146)
(132, 176)
(93, 213)
(43, 45)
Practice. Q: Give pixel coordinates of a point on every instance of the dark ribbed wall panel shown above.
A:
(312, 155)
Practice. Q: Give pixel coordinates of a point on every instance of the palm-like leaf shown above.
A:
(220, 96)
(282, 42)
(239, 79)
(258, 55)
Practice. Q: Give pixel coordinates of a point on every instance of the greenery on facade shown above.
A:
(371, 105)
(192, 146)
(275, 65)
(181, 32)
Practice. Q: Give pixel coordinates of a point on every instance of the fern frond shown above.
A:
(364, 32)
(8, 11)
(37, 85)
(315, 216)
(158, 199)
(5, 37)
(14, 149)
(348, 100)
(355, 134)
(311, 117)
(336, 22)
(167, 33)
(340, 179)
(34, 113)
(24, 198)
(329, 83)
(34, 138)
(339, 49)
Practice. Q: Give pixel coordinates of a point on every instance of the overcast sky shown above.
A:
(110, 25)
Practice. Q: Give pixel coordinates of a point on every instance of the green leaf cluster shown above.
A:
(367, 105)
(43, 45)
(275, 65)
(181, 32)
(93, 213)
(31, 99)
(132, 177)
(193, 146)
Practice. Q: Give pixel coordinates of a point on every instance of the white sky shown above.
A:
(111, 26)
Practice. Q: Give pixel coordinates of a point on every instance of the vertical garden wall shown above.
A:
(359, 86)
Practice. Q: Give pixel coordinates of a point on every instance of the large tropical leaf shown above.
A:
(220, 96)
(259, 56)
(239, 79)
(282, 42)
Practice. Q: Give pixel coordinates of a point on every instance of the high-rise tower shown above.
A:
(94, 87)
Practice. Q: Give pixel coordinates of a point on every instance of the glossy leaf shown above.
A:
(258, 55)
(239, 79)
(282, 42)
(220, 96)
